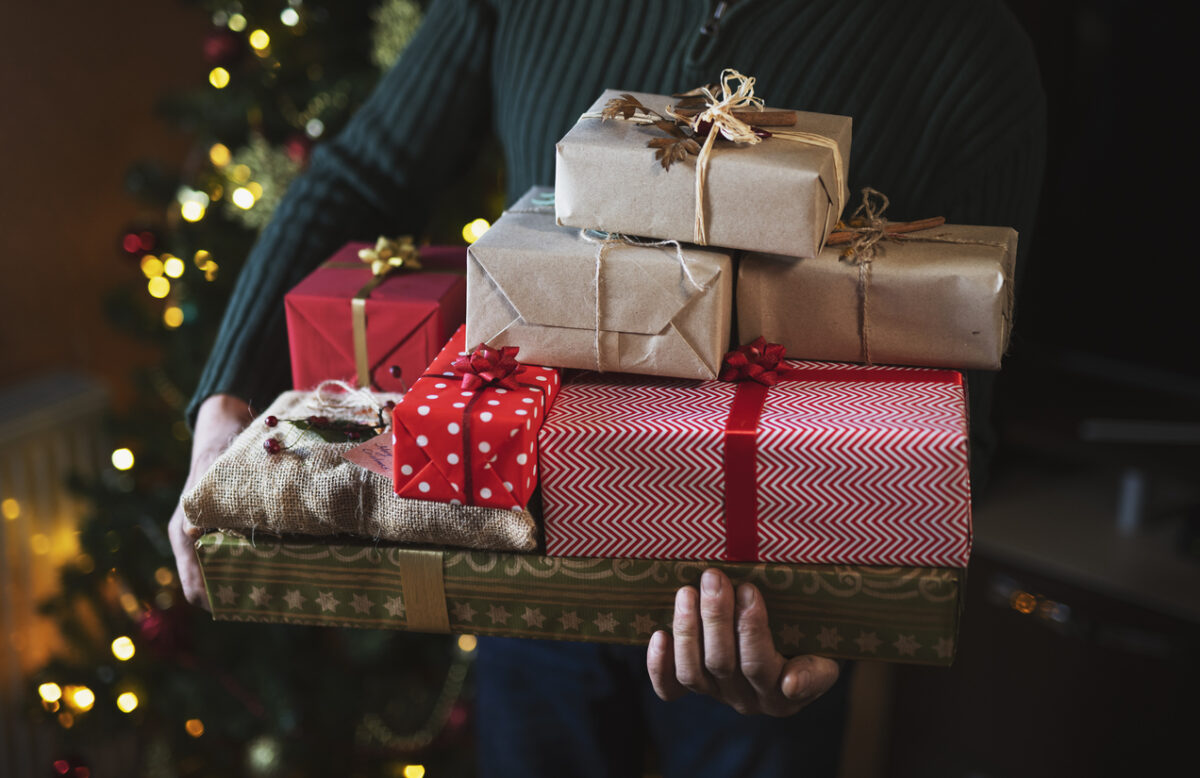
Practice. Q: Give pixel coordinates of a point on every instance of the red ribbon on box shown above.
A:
(466, 432)
(756, 367)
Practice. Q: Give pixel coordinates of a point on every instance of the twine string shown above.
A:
(604, 242)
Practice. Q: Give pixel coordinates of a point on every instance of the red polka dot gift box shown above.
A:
(466, 432)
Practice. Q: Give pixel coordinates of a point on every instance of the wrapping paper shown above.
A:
(531, 283)
(901, 614)
(409, 317)
(776, 196)
(470, 447)
(936, 304)
(855, 465)
(310, 488)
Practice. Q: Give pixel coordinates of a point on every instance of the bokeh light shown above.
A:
(243, 198)
(158, 287)
(474, 230)
(122, 459)
(123, 648)
(218, 77)
(219, 155)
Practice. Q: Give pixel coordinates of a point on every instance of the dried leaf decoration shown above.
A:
(672, 150)
(625, 106)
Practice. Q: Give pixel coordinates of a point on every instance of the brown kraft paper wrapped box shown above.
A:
(533, 284)
(778, 196)
(935, 298)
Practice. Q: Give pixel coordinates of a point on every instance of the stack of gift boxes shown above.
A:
(750, 383)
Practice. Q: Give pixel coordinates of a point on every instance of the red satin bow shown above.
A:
(486, 366)
(755, 361)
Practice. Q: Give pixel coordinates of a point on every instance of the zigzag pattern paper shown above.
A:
(848, 472)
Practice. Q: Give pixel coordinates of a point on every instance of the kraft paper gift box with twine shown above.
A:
(775, 189)
(308, 487)
(897, 614)
(918, 293)
(573, 298)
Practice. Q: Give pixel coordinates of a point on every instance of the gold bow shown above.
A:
(388, 255)
(391, 254)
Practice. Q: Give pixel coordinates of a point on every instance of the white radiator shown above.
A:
(49, 428)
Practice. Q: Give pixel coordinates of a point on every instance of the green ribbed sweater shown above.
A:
(949, 119)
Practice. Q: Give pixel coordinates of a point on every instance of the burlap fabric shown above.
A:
(310, 489)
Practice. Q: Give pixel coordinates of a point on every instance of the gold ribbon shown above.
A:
(423, 589)
(387, 256)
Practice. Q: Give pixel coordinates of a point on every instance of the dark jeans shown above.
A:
(552, 708)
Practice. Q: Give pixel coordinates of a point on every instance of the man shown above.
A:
(948, 120)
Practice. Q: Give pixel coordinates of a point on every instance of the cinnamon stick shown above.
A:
(765, 118)
(839, 237)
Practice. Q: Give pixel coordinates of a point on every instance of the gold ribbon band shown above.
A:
(387, 255)
(358, 323)
(423, 590)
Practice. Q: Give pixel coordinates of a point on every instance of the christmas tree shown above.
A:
(147, 684)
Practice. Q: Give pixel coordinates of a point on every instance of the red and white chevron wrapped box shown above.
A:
(466, 432)
(834, 464)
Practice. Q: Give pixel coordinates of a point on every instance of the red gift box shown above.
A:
(409, 316)
(471, 439)
(834, 464)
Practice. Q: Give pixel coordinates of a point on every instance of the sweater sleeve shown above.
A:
(375, 177)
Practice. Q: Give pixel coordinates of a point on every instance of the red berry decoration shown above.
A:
(272, 446)
(271, 421)
(353, 434)
(395, 372)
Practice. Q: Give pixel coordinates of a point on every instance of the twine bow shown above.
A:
(719, 116)
(391, 254)
(756, 361)
(487, 366)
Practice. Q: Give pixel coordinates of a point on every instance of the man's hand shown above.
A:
(725, 650)
(218, 422)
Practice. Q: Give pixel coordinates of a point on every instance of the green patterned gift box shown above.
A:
(899, 614)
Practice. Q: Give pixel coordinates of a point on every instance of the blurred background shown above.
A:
(145, 147)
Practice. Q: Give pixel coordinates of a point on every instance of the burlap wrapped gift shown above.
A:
(308, 488)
